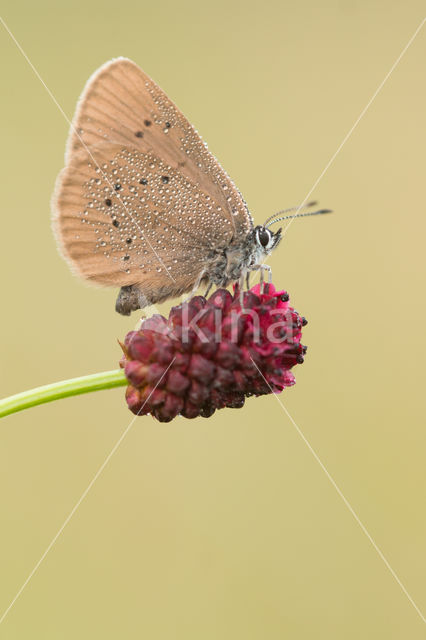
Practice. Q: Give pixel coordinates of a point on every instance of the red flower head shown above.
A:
(213, 353)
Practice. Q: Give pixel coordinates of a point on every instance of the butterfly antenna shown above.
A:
(320, 212)
(279, 213)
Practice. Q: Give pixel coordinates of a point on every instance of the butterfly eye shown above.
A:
(263, 236)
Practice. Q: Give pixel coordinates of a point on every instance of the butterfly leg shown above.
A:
(208, 289)
(262, 268)
(196, 285)
(241, 288)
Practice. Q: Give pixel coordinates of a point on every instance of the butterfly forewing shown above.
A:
(141, 200)
(136, 218)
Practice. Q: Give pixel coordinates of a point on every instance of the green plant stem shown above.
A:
(62, 389)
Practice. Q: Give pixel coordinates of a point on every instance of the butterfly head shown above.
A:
(266, 240)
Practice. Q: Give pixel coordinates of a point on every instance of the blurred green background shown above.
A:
(228, 527)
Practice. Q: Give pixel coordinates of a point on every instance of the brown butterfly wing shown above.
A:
(128, 218)
(141, 200)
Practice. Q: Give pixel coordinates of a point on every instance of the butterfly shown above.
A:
(142, 204)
